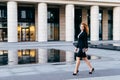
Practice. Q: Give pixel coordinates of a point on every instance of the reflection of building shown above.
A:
(25, 56)
(56, 55)
(3, 57)
(13, 57)
(46, 20)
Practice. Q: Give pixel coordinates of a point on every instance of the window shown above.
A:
(23, 14)
(26, 14)
(2, 13)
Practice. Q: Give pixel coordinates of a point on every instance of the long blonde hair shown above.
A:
(86, 29)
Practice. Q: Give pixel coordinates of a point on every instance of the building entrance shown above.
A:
(26, 21)
(26, 33)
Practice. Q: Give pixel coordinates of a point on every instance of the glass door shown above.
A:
(25, 36)
(26, 33)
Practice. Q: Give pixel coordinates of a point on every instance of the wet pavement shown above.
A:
(106, 68)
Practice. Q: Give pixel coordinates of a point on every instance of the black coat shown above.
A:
(82, 41)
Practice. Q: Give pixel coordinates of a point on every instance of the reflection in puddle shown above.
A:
(3, 57)
(51, 55)
(29, 56)
(56, 55)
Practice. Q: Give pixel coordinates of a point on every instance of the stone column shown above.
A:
(12, 57)
(116, 23)
(12, 21)
(105, 25)
(84, 15)
(42, 22)
(94, 21)
(36, 22)
(69, 21)
(42, 56)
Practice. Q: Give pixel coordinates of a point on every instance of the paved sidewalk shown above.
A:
(106, 68)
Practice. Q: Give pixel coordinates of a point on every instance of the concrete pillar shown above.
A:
(116, 23)
(62, 23)
(84, 15)
(36, 21)
(94, 21)
(12, 57)
(12, 21)
(69, 21)
(42, 56)
(42, 22)
(105, 25)
(69, 56)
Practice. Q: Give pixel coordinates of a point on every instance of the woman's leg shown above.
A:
(88, 63)
(77, 64)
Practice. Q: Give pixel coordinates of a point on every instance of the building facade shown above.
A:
(58, 20)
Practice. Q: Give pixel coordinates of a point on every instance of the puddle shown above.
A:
(34, 56)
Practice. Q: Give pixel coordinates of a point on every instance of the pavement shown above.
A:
(107, 67)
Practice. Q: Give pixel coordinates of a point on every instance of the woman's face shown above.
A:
(81, 27)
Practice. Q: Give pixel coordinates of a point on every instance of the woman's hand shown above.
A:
(85, 49)
(76, 49)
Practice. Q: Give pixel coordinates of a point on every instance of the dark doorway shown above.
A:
(53, 24)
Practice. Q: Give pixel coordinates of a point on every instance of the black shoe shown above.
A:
(91, 71)
(76, 73)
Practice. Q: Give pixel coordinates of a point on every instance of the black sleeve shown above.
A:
(85, 41)
(77, 45)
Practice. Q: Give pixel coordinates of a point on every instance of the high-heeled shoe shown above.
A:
(76, 73)
(91, 71)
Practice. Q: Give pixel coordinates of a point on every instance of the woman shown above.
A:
(82, 47)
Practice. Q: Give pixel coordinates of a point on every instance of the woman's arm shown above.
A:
(85, 41)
